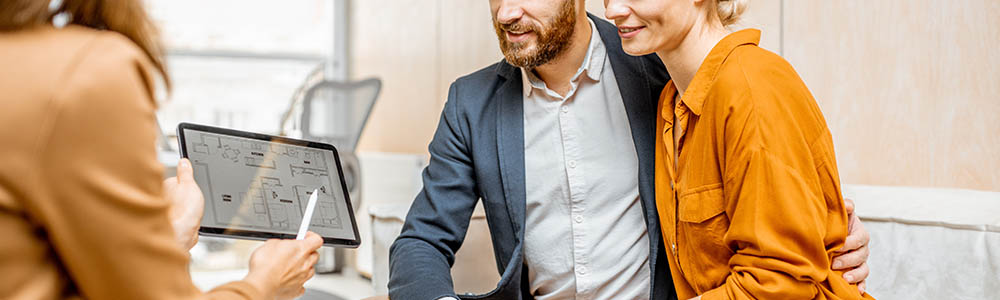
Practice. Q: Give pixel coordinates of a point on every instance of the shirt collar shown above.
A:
(593, 64)
(694, 96)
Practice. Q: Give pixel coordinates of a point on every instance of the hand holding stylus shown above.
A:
(279, 268)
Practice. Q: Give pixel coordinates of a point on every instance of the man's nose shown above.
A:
(509, 11)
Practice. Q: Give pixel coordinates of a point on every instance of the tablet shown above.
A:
(256, 186)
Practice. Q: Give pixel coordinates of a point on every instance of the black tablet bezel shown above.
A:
(263, 235)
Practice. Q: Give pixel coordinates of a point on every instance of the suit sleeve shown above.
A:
(421, 257)
(103, 210)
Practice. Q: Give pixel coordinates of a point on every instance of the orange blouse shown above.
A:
(753, 208)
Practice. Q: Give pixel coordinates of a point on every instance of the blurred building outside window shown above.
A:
(236, 63)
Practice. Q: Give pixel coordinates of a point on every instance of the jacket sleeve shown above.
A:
(421, 257)
(103, 210)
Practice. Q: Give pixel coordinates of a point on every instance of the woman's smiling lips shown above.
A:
(627, 32)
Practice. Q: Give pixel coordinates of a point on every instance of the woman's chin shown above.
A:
(631, 48)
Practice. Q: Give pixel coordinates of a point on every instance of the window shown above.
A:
(237, 63)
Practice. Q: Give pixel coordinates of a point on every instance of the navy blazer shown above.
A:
(478, 153)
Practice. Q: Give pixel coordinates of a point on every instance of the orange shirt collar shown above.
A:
(694, 96)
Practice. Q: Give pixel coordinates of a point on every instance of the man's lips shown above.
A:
(629, 31)
(515, 37)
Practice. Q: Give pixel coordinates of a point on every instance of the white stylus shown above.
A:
(308, 215)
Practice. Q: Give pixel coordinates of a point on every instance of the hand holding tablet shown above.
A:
(259, 186)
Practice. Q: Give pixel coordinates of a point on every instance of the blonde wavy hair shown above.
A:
(729, 11)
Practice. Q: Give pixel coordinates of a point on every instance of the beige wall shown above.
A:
(910, 88)
(417, 48)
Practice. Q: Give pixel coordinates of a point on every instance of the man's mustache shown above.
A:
(516, 27)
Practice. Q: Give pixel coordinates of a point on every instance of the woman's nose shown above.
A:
(615, 9)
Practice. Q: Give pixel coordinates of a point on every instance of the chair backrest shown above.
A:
(336, 112)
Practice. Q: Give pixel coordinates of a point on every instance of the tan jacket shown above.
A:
(82, 213)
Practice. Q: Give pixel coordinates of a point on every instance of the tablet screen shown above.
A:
(259, 185)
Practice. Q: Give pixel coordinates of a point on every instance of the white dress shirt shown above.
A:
(585, 233)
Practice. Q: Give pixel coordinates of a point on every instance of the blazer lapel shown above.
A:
(510, 144)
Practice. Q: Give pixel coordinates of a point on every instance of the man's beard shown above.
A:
(551, 39)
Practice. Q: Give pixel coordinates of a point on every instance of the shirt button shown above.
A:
(579, 219)
(565, 109)
(572, 164)
(673, 248)
(581, 270)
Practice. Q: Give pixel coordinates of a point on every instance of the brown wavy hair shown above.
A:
(127, 17)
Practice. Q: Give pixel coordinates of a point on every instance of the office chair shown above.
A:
(333, 112)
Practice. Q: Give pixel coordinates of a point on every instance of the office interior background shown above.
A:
(909, 88)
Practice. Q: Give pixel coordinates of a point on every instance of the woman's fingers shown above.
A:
(185, 173)
(310, 260)
(303, 252)
(312, 241)
(301, 278)
(306, 269)
(309, 275)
